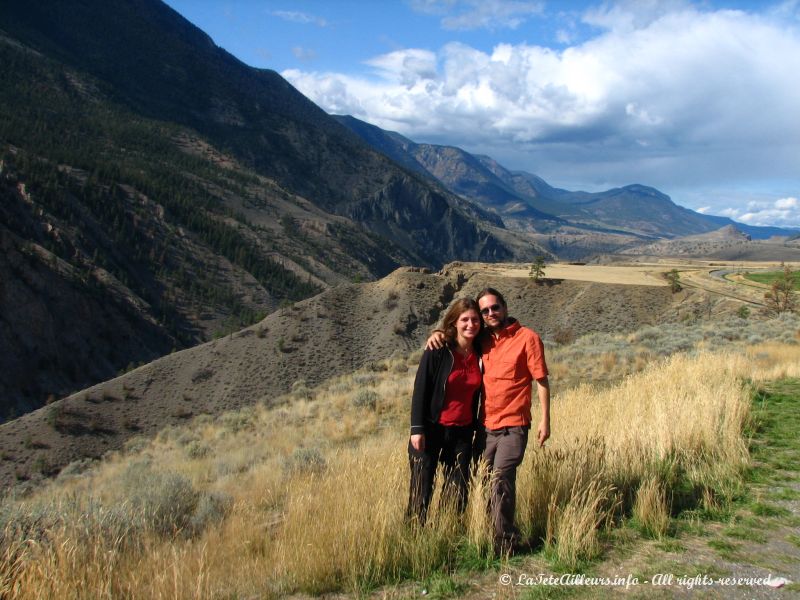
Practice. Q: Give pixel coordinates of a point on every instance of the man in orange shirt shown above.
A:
(513, 359)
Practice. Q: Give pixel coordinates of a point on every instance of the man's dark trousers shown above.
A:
(504, 451)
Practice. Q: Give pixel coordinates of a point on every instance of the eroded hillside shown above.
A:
(335, 332)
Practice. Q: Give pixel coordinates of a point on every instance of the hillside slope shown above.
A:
(727, 243)
(199, 193)
(336, 332)
(179, 76)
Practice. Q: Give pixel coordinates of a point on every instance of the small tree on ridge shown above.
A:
(781, 296)
(537, 269)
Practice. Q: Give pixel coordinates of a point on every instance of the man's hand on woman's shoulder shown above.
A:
(435, 341)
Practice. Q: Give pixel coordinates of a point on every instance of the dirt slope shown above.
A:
(333, 333)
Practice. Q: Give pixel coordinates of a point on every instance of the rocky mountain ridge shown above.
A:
(526, 202)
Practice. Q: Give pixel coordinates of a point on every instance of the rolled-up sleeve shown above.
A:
(537, 365)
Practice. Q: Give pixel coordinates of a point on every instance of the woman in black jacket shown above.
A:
(444, 410)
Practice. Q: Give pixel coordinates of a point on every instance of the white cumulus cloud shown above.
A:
(781, 212)
(664, 94)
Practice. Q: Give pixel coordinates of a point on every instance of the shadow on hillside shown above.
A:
(549, 282)
(79, 429)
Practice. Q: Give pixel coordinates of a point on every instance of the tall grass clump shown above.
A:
(347, 530)
(572, 527)
(650, 510)
(619, 450)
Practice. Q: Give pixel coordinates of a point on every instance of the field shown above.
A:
(769, 278)
(650, 462)
(722, 279)
(633, 274)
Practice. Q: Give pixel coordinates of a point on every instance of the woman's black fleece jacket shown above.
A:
(429, 388)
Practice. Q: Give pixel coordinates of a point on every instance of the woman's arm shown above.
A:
(420, 397)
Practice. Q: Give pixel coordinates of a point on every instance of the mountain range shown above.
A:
(527, 202)
(156, 192)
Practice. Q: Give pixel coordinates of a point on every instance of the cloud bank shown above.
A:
(781, 212)
(663, 94)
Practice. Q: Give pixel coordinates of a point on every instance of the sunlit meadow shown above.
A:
(309, 496)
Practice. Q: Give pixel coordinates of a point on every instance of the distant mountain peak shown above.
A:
(645, 190)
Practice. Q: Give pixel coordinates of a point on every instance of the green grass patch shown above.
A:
(442, 585)
(748, 520)
(763, 509)
(784, 494)
(744, 533)
(672, 546)
(727, 550)
(793, 539)
(557, 564)
(774, 431)
(546, 592)
(784, 461)
(689, 523)
(624, 539)
(786, 559)
(791, 521)
(470, 558)
(769, 278)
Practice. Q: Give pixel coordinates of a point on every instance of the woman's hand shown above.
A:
(418, 442)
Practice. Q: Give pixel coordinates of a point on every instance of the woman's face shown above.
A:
(468, 324)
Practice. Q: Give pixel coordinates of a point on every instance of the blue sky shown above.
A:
(699, 99)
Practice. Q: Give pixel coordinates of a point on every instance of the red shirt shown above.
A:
(463, 382)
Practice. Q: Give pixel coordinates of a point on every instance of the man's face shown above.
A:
(492, 311)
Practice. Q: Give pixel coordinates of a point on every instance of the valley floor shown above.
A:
(723, 279)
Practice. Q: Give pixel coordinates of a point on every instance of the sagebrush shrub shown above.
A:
(165, 501)
(304, 460)
(366, 399)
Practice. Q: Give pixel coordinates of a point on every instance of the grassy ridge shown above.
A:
(309, 496)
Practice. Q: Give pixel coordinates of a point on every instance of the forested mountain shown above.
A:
(157, 192)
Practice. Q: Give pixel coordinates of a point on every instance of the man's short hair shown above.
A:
(491, 292)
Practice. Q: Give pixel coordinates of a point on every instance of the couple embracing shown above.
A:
(472, 397)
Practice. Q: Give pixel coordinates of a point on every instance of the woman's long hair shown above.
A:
(458, 308)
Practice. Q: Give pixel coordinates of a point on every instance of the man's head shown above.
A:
(493, 308)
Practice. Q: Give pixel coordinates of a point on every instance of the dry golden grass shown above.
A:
(650, 509)
(572, 525)
(315, 490)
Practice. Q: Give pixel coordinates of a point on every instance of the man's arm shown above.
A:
(537, 366)
(543, 391)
